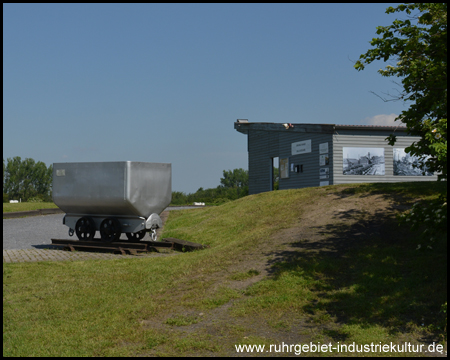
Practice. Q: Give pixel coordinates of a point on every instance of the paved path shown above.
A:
(32, 255)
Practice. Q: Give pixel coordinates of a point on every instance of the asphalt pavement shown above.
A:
(33, 231)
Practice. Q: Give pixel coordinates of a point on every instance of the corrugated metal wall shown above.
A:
(265, 145)
(366, 141)
(309, 161)
(266, 141)
(259, 161)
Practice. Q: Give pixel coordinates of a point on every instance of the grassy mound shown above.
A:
(326, 264)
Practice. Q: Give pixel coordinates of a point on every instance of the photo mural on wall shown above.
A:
(363, 161)
(408, 165)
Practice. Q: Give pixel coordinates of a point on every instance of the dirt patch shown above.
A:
(314, 233)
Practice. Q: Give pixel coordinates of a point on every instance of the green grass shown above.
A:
(27, 206)
(378, 290)
(244, 275)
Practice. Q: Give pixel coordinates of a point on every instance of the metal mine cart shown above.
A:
(112, 197)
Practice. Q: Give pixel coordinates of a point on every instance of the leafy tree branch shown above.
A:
(418, 45)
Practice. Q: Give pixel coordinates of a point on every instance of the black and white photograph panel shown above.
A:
(409, 165)
(363, 161)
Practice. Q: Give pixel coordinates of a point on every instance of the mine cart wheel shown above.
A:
(110, 229)
(136, 236)
(85, 228)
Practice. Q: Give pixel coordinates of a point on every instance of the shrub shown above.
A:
(35, 199)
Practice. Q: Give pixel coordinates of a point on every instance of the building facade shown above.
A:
(325, 154)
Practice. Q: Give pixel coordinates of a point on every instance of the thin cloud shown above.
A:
(382, 120)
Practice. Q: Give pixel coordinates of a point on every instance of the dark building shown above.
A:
(325, 154)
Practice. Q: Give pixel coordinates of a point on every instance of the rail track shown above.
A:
(127, 247)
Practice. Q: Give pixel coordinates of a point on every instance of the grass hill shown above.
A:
(321, 265)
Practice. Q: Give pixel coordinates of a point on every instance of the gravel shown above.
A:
(37, 231)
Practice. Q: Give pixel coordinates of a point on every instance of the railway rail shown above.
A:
(127, 247)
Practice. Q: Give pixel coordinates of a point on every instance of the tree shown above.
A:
(419, 47)
(420, 52)
(235, 179)
(12, 181)
(26, 179)
(42, 178)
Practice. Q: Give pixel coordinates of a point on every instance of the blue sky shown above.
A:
(166, 82)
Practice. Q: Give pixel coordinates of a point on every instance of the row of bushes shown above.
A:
(233, 185)
(213, 196)
(34, 199)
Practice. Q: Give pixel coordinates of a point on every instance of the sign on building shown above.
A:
(301, 147)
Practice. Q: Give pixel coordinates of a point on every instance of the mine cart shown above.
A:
(112, 197)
